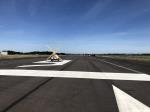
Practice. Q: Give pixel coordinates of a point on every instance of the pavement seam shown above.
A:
(26, 95)
(33, 90)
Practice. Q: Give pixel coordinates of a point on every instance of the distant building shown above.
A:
(4, 53)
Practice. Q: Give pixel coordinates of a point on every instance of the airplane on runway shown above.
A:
(54, 57)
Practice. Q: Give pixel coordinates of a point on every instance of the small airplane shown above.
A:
(54, 57)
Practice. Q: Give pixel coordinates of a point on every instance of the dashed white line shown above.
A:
(121, 66)
(127, 103)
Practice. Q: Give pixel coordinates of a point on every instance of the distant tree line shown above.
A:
(10, 52)
(140, 54)
(31, 53)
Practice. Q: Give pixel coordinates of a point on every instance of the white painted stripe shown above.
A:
(121, 66)
(50, 64)
(127, 103)
(46, 61)
(26, 66)
(76, 74)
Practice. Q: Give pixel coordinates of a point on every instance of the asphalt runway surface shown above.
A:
(39, 94)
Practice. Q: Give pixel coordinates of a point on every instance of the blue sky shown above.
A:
(76, 26)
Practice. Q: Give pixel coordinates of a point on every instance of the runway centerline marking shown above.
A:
(46, 63)
(76, 74)
(127, 103)
(121, 66)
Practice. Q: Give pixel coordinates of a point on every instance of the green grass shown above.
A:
(2, 57)
(124, 57)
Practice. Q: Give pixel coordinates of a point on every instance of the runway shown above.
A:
(55, 94)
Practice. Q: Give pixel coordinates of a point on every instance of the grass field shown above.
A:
(2, 57)
(124, 57)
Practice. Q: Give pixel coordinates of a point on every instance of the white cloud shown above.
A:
(120, 33)
(96, 9)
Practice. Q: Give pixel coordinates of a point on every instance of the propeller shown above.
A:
(54, 54)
